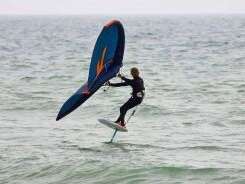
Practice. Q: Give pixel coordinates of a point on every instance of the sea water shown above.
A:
(189, 129)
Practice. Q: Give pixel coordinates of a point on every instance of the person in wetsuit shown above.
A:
(138, 92)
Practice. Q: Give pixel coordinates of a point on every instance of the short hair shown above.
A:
(135, 72)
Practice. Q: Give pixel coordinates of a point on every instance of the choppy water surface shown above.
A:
(190, 128)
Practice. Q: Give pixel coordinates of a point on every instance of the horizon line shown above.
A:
(121, 14)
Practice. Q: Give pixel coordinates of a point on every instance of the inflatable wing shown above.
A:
(105, 63)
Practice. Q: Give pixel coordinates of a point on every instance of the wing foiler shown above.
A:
(105, 63)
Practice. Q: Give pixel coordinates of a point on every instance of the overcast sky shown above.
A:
(120, 6)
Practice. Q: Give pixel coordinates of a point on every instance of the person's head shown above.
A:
(134, 72)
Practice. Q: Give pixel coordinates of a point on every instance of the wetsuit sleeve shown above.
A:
(128, 81)
(119, 84)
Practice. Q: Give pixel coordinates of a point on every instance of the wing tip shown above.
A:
(58, 118)
(111, 22)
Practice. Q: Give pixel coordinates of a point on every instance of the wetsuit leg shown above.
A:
(132, 102)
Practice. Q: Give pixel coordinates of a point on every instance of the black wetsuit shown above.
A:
(138, 93)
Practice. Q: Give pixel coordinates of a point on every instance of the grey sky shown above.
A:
(120, 6)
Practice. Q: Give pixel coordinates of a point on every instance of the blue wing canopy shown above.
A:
(105, 63)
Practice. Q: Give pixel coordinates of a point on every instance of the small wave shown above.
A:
(241, 91)
(136, 145)
(89, 150)
(152, 110)
(3, 48)
(147, 174)
(59, 77)
(219, 124)
(240, 59)
(242, 86)
(128, 147)
(70, 58)
(219, 102)
(238, 121)
(21, 66)
(183, 169)
(41, 92)
(208, 148)
(149, 146)
(28, 79)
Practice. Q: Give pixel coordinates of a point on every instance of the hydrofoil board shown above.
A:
(113, 125)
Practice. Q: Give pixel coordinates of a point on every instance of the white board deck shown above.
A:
(113, 125)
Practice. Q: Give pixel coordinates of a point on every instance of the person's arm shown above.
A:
(128, 81)
(118, 84)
